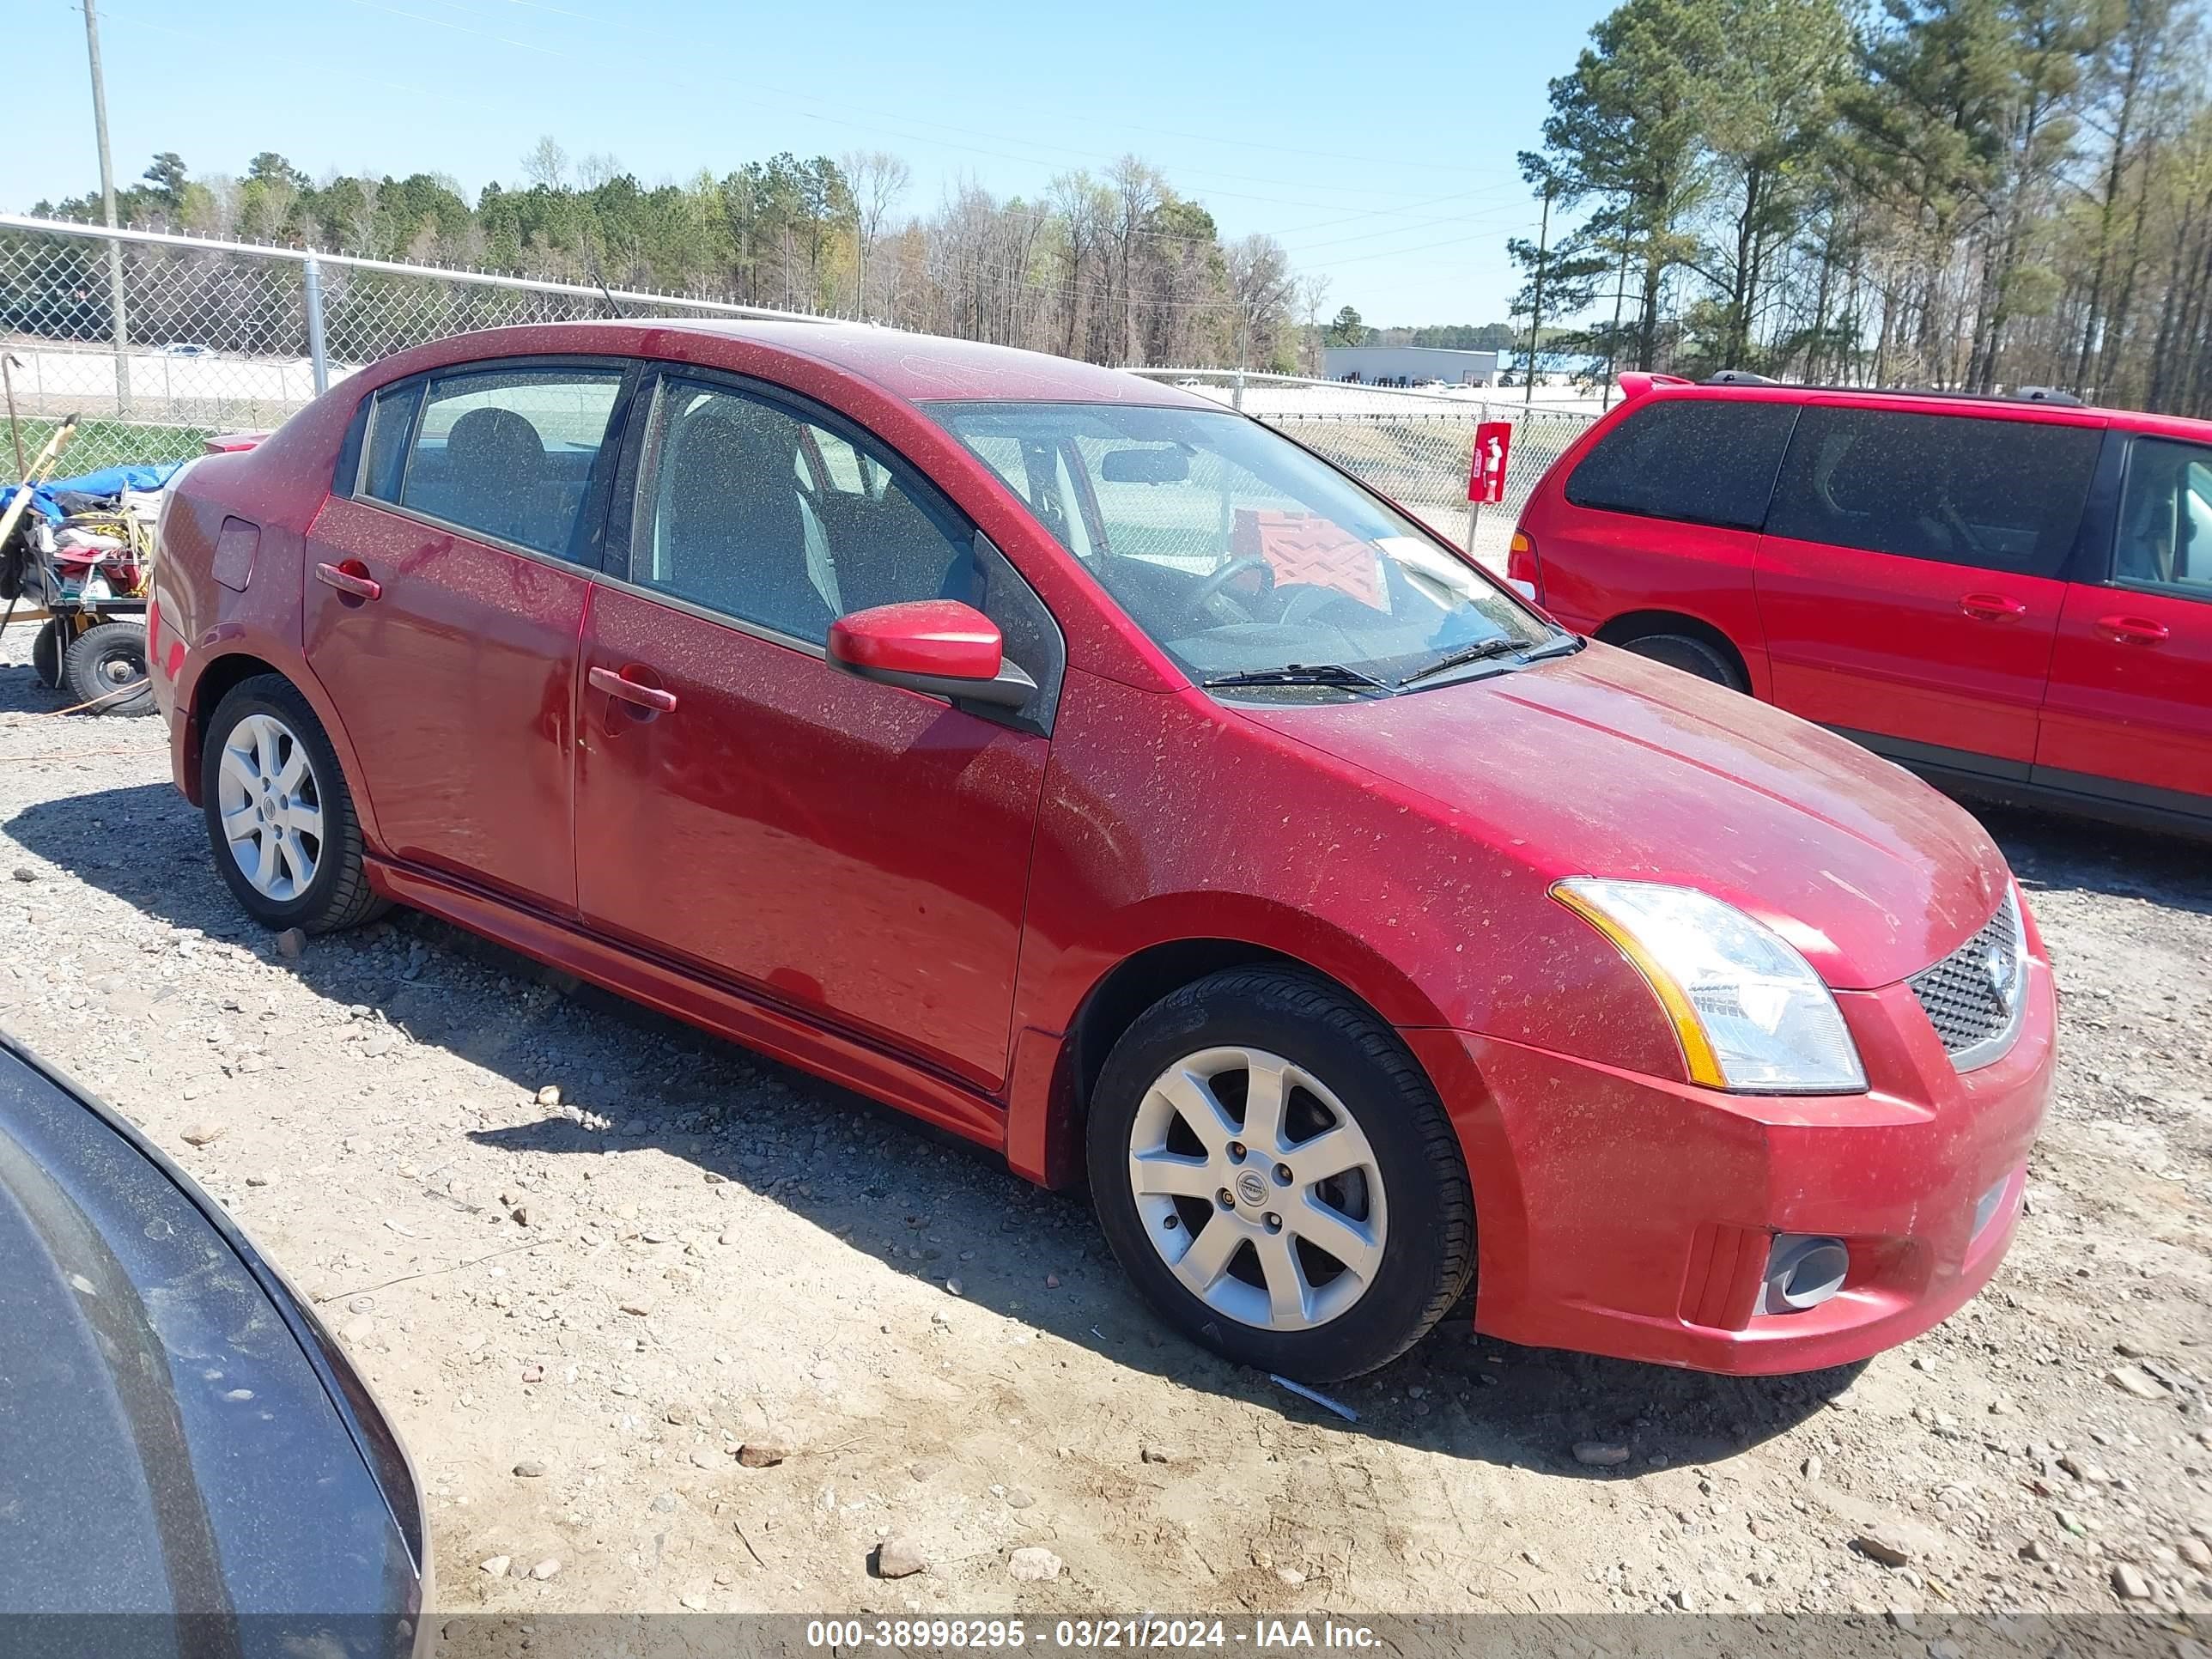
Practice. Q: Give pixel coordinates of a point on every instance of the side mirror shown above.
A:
(939, 647)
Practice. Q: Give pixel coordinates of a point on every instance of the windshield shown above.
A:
(1237, 551)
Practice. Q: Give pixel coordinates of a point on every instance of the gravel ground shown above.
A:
(669, 1326)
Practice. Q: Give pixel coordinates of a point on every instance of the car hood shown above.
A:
(168, 1446)
(1605, 764)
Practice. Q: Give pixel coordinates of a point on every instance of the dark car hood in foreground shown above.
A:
(1604, 764)
(168, 1444)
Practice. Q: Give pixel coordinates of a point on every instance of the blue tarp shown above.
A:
(108, 480)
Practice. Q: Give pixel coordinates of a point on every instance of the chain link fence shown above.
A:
(1414, 446)
(215, 336)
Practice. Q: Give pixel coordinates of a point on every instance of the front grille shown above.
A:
(1973, 997)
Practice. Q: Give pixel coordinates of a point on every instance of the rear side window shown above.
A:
(1988, 494)
(1703, 460)
(508, 453)
(389, 423)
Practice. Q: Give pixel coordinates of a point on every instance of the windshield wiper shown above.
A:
(1565, 646)
(1317, 674)
(1481, 652)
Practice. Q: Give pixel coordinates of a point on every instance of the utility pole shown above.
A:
(1243, 346)
(107, 209)
(1536, 301)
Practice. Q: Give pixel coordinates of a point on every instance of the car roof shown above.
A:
(1948, 403)
(920, 367)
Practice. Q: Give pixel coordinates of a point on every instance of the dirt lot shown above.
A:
(577, 1312)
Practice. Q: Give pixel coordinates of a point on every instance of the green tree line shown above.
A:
(1966, 194)
(1116, 267)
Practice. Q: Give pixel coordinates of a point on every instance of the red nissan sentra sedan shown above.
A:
(1094, 772)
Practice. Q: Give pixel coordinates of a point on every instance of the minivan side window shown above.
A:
(2165, 540)
(1700, 460)
(507, 453)
(733, 515)
(1984, 492)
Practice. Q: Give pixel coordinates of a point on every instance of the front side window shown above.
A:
(2165, 540)
(509, 452)
(747, 509)
(1696, 460)
(1988, 492)
(1236, 551)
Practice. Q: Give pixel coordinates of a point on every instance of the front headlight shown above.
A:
(1751, 1013)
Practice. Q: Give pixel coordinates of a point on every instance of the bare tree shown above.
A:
(1262, 287)
(1312, 296)
(1138, 191)
(878, 179)
(547, 164)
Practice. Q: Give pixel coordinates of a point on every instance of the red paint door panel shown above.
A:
(1908, 579)
(1931, 654)
(859, 853)
(2129, 710)
(457, 680)
(2131, 694)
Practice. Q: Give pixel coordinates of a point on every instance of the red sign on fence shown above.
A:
(1486, 478)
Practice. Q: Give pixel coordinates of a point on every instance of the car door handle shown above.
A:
(2132, 630)
(352, 577)
(1992, 607)
(645, 697)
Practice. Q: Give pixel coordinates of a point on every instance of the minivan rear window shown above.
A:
(1981, 491)
(1702, 460)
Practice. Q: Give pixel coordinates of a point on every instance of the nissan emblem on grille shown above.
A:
(1972, 996)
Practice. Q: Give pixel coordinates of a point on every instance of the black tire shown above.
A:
(338, 895)
(1428, 1245)
(47, 654)
(1692, 655)
(106, 666)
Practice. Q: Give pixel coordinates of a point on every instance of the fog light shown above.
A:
(1803, 1271)
(1985, 1207)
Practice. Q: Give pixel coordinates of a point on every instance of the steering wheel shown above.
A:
(1216, 585)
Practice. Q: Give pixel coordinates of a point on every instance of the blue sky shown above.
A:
(1378, 147)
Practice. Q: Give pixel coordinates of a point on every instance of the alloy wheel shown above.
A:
(1257, 1187)
(271, 810)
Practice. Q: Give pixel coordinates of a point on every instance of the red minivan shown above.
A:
(2011, 596)
(1096, 774)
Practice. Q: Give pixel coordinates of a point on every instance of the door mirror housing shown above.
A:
(941, 647)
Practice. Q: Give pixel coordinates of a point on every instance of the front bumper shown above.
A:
(1627, 1215)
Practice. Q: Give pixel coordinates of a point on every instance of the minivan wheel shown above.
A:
(1689, 655)
(1278, 1177)
(279, 818)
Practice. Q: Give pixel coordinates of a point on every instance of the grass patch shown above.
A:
(96, 444)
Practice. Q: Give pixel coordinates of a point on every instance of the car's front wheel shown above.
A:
(1279, 1177)
(279, 818)
(1692, 655)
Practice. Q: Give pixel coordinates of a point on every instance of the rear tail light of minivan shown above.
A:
(1522, 567)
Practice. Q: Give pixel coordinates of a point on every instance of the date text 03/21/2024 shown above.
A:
(1261, 1636)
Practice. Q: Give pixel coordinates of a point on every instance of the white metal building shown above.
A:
(1408, 365)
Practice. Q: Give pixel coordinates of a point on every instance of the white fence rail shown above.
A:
(1414, 446)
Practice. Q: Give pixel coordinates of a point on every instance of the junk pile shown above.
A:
(77, 554)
